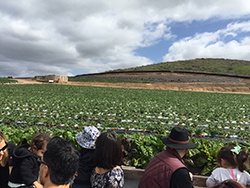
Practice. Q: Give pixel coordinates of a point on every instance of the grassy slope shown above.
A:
(220, 66)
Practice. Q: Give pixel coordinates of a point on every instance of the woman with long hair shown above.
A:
(4, 165)
(108, 157)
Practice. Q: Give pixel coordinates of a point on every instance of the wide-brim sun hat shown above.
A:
(178, 139)
(87, 137)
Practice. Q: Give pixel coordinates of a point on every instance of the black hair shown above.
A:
(241, 159)
(62, 158)
(108, 152)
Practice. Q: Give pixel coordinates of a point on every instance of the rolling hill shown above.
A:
(203, 65)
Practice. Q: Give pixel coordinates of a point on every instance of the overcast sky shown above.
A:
(39, 37)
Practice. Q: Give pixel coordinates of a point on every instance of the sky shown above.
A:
(85, 36)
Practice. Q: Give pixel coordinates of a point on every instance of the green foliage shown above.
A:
(143, 148)
(242, 70)
(143, 116)
(205, 154)
(7, 80)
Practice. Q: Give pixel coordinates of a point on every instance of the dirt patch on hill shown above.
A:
(242, 87)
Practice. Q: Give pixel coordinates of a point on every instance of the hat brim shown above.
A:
(84, 144)
(170, 144)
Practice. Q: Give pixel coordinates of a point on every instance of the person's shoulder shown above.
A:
(181, 172)
(117, 170)
(246, 174)
(220, 169)
(21, 151)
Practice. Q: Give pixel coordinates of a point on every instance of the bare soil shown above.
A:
(241, 87)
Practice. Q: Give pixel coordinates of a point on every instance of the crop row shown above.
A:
(65, 110)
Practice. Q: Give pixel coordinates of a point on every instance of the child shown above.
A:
(231, 161)
(25, 162)
(86, 139)
(108, 157)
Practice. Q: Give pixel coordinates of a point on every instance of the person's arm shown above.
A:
(37, 184)
(27, 171)
(181, 179)
(210, 182)
(213, 179)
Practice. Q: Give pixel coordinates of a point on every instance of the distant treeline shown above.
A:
(7, 80)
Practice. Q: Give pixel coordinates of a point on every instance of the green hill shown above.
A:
(215, 66)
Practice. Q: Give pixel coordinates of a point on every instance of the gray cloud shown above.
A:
(65, 37)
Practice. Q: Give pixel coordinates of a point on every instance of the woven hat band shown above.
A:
(179, 142)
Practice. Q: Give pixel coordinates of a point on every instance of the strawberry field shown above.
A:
(140, 117)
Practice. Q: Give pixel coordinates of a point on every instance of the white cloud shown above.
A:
(213, 45)
(64, 37)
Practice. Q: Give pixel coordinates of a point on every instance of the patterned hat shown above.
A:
(87, 137)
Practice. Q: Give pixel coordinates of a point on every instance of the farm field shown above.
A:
(141, 117)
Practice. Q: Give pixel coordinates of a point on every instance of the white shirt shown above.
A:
(221, 174)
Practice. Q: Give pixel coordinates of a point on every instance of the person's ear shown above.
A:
(46, 171)
(33, 148)
(223, 162)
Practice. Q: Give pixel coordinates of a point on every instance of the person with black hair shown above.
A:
(59, 164)
(108, 158)
(232, 165)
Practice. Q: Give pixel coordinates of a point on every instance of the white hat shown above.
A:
(87, 137)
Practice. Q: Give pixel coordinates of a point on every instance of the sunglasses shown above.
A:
(5, 147)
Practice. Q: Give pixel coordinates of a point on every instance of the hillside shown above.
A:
(214, 66)
(198, 70)
(205, 75)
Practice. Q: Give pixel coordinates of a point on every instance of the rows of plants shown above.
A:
(7, 80)
(140, 117)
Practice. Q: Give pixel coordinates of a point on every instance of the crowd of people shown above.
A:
(55, 162)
